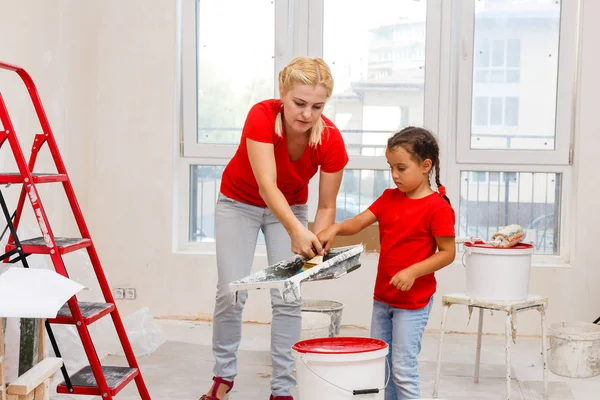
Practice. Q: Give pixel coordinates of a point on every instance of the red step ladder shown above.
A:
(95, 379)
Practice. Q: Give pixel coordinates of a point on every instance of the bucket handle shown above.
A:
(466, 252)
(356, 392)
(467, 249)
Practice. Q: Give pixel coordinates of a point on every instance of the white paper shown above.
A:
(34, 293)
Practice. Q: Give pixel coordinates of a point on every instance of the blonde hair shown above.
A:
(307, 71)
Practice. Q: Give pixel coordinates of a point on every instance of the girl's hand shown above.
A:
(305, 243)
(326, 237)
(403, 280)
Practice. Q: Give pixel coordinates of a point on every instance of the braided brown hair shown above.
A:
(421, 145)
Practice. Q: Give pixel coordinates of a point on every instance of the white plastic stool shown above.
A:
(511, 308)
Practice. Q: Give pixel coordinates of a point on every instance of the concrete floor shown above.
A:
(182, 367)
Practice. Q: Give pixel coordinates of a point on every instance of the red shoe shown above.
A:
(281, 398)
(218, 382)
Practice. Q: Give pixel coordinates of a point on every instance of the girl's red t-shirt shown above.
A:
(407, 231)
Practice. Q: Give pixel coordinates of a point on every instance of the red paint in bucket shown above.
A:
(339, 345)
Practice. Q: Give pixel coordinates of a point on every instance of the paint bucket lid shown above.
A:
(482, 245)
(339, 345)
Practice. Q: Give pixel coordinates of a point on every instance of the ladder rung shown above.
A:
(15, 177)
(84, 382)
(91, 312)
(38, 246)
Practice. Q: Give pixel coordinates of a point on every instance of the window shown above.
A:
(497, 60)
(491, 177)
(378, 64)
(503, 177)
(359, 189)
(494, 111)
(204, 183)
(491, 200)
(513, 103)
(514, 134)
(493, 79)
(225, 90)
(219, 87)
(511, 112)
(382, 95)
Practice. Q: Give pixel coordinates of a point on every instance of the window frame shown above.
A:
(284, 46)
(299, 30)
(567, 63)
(286, 14)
(566, 207)
(455, 127)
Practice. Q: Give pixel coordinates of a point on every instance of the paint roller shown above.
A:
(508, 236)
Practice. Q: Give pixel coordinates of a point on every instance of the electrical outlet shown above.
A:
(129, 293)
(118, 293)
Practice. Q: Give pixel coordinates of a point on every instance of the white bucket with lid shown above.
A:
(341, 368)
(498, 274)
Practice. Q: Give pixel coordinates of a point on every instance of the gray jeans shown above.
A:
(237, 227)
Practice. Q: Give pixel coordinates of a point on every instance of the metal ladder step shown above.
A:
(38, 245)
(84, 382)
(91, 312)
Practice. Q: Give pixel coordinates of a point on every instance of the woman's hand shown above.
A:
(404, 280)
(305, 243)
(326, 237)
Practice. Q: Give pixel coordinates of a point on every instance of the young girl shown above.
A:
(414, 223)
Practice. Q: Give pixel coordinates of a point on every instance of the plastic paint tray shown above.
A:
(287, 277)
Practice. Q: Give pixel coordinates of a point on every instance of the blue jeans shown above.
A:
(402, 330)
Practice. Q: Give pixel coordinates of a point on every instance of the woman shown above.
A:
(265, 187)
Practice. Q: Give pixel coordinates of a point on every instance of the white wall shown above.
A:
(107, 73)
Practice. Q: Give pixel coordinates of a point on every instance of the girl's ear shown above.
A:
(426, 165)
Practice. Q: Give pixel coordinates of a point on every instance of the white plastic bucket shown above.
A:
(341, 368)
(498, 274)
(574, 349)
(314, 325)
(332, 308)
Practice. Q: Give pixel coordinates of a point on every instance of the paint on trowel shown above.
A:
(288, 274)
